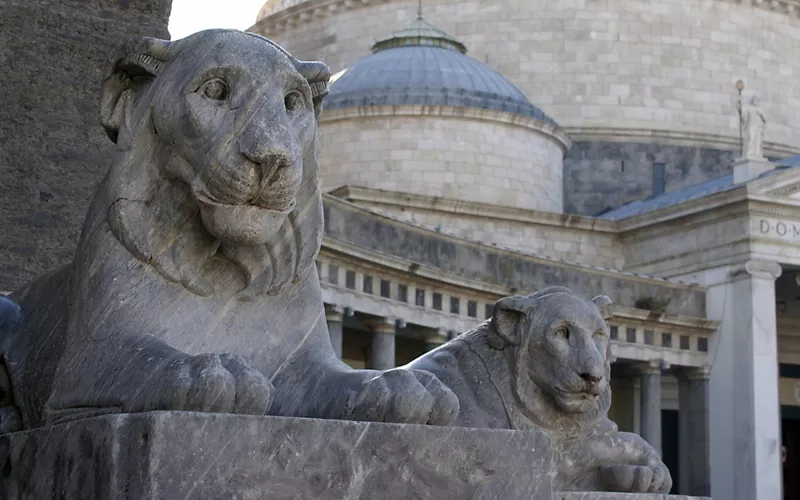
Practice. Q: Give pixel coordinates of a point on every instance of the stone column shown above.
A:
(745, 438)
(335, 317)
(382, 352)
(693, 432)
(650, 404)
(54, 151)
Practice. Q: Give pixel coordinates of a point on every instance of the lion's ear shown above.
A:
(603, 303)
(507, 316)
(318, 75)
(135, 64)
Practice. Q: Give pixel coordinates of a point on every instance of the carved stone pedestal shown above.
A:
(593, 495)
(747, 169)
(192, 456)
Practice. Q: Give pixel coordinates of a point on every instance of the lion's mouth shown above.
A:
(246, 224)
(580, 394)
(280, 209)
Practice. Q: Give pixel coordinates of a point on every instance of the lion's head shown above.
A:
(217, 149)
(559, 353)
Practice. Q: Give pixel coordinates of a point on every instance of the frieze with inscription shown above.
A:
(784, 229)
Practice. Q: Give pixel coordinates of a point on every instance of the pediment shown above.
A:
(784, 184)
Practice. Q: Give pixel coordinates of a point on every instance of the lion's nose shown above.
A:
(264, 155)
(265, 138)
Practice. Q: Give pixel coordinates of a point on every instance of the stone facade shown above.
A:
(599, 175)
(54, 151)
(483, 157)
(625, 68)
(494, 266)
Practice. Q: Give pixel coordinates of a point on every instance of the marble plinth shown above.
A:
(169, 455)
(593, 495)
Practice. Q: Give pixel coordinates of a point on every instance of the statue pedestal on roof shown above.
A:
(747, 169)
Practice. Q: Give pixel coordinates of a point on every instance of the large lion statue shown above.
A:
(543, 362)
(201, 239)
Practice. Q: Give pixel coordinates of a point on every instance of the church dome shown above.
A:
(422, 65)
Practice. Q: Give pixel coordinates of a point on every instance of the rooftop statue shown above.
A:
(194, 285)
(543, 362)
(754, 122)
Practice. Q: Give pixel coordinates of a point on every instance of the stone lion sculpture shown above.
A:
(542, 362)
(201, 239)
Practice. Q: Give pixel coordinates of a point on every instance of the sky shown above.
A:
(191, 16)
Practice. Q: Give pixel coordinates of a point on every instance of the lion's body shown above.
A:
(511, 372)
(201, 240)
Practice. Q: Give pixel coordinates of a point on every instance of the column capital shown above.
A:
(380, 324)
(759, 269)
(652, 367)
(334, 313)
(694, 372)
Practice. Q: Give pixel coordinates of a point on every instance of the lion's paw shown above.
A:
(214, 383)
(653, 478)
(405, 396)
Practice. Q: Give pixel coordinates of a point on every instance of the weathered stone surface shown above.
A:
(593, 495)
(165, 456)
(54, 152)
(542, 362)
(200, 242)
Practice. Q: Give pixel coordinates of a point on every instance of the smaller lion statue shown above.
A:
(543, 362)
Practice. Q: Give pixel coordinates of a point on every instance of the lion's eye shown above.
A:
(599, 334)
(562, 332)
(293, 101)
(215, 89)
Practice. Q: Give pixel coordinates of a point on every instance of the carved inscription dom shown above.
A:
(779, 228)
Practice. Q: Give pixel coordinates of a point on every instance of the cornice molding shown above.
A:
(628, 276)
(548, 130)
(645, 317)
(358, 194)
(671, 137)
(704, 206)
(303, 12)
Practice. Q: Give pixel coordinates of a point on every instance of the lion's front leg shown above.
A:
(636, 468)
(618, 461)
(316, 384)
(402, 395)
(144, 374)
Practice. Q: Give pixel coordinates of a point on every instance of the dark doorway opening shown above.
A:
(669, 445)
(790, 437)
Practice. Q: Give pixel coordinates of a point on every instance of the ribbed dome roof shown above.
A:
(422, 65)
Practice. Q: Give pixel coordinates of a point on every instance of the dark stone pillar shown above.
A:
(335, 317)
(693, 432)
(53, 151)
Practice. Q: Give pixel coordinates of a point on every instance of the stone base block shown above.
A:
(747, 169)
(593, 495)
(194, 456)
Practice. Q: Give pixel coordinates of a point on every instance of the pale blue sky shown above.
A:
(191, 16)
